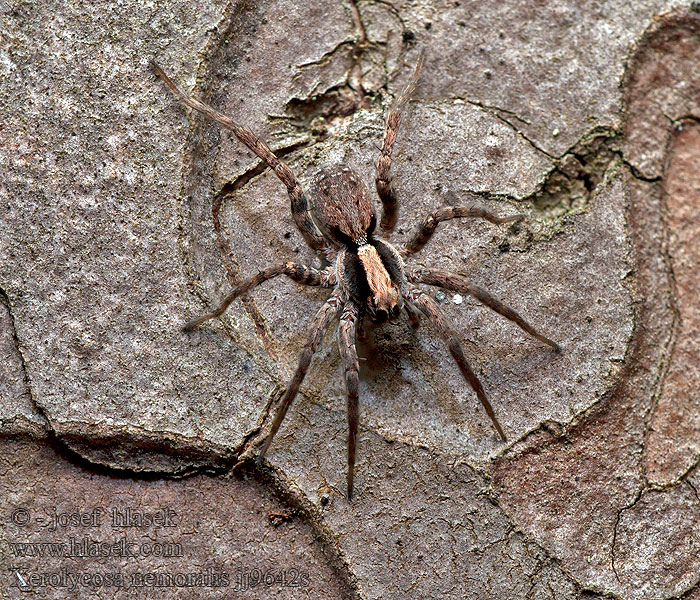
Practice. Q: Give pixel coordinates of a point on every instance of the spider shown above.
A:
(367, 274)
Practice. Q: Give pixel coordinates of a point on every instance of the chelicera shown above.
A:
(367, 275)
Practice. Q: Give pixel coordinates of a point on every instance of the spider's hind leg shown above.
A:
(390, 210)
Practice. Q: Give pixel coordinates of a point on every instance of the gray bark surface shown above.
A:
(582, 116)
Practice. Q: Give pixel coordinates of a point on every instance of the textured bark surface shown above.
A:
(123, 216)
(162, 538)
(674, 432)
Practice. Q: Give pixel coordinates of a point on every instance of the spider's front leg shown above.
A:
(457, 283)
(427, 306)
(351, 365)
(324, 317)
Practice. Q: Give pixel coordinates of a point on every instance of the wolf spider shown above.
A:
(367, 274)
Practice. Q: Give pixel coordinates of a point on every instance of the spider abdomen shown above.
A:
(340, 205)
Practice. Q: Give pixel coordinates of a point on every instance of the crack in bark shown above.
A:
(327, 56)
(245, 451)
(62, 443)
(4, 299)
(593, 152)
(663, 366)
(692, 487)
(666, 357)
(497, 112)
(355, 78)
(233, 271)
(342, 100)
(666, 487)
(618, 516)
(673, 296)
(576, 175)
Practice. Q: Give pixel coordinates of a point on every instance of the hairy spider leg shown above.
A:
(413, 315)
(428, 226)
(300, 205)
(429, 308)
(324, 317)
(351, 365)
(457, 283)
(298, 272)
(390, 209)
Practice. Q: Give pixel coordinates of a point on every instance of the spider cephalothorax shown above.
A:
(367, 274)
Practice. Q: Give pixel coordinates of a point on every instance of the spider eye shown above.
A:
(381, 316)
(372, 225)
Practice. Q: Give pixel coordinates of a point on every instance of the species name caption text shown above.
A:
(79, 527)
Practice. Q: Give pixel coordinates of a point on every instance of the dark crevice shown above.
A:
(576, 175)
(231, 187)
(500, 112)
(327, 56)
(355, 76)
(587, 594)
(695, 490)
(693, 465)
(578, 172)
(320, 111)
(691, 593)
(636, 173)
(246, 453)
